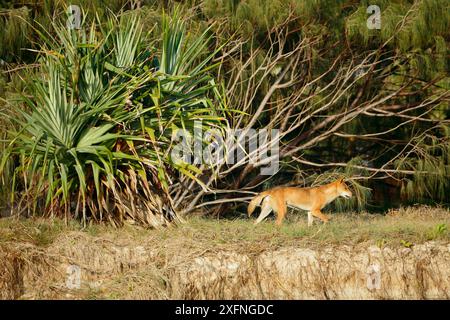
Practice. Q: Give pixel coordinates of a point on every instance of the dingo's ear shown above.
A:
(341, 180)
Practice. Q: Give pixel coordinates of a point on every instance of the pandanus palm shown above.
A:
(94, 134)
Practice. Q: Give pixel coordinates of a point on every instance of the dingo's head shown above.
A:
(343, 189)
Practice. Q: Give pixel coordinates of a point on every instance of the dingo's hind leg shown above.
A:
(266, 209)
(281, 211)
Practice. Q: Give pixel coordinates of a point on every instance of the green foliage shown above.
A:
(406, 243)
(86, 140)
(418, 30)
(429, 155)
(15, 26)
(439, 231)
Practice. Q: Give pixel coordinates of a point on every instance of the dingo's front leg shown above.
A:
(320, 215)
(310, 219)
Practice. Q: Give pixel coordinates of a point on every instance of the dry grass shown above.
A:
(207, 258)
(396, 228)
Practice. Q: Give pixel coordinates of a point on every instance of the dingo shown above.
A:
(310, 199)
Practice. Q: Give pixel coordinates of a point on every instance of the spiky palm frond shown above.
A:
(93, 140)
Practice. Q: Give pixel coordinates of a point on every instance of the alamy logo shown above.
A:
(73, 280)
(233, 147)
(74, 17)
(374, 277)
(374, 21)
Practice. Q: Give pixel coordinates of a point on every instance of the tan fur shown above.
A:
(310, 199)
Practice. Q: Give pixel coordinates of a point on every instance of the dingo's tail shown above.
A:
(255, 202)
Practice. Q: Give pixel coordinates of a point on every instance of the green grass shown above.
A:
(404, 227)
(410, 225)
